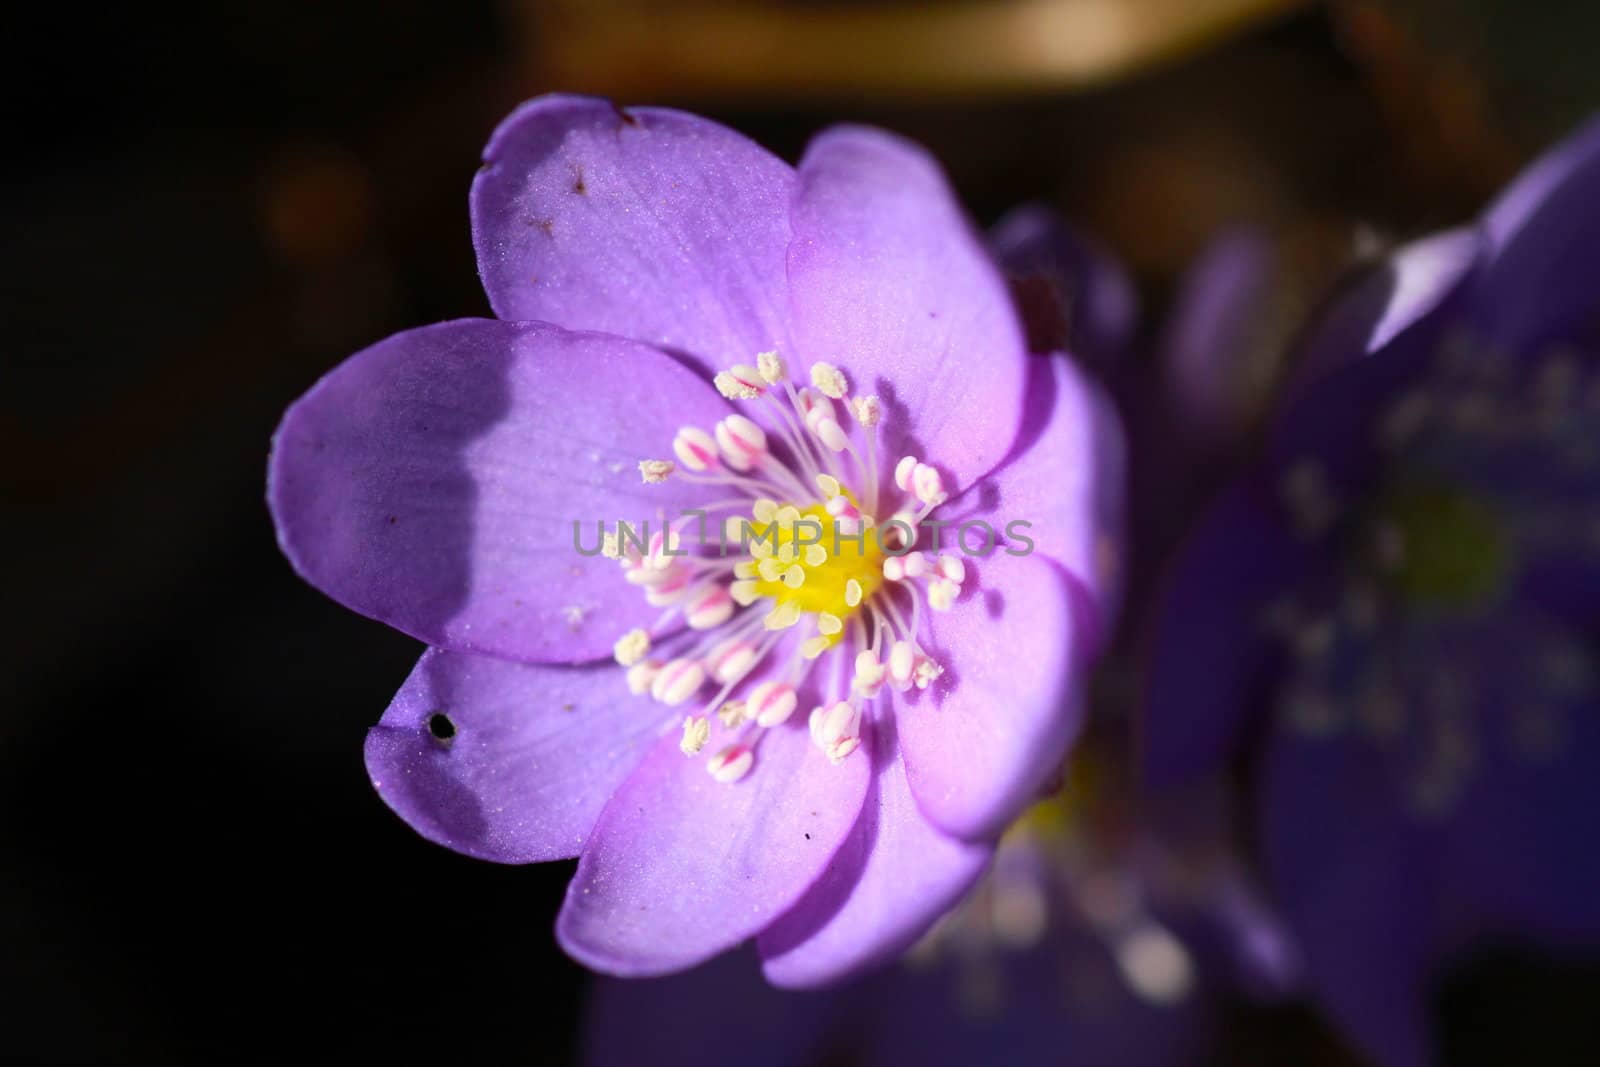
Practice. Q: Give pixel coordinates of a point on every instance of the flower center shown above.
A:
(804, 570)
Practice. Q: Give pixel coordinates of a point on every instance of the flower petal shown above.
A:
(892, 879)
(433, 482)
(1060, 493)
(1093, 297)
(508, 761)
(1356, 883)
(643, 222)
(681, 867)
(1210, 646)
(889, 282)
(983, 739)
(1538, 284)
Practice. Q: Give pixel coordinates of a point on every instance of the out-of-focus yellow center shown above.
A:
(806, 559)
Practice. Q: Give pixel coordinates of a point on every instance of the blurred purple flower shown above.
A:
(1392, 616)
(572, 705)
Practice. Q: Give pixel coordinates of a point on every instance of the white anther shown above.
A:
(733, 713)
(711, 608)
(631, 647)
(852, 592)
(695, 449)
(730, 660)
(656, 471)
(744, 592)
(782, 617)
(952, 568)
(868, 410)
(928, 485)
(942, 593)
(838, 730)
(829, 623)
(731, 764)
(740, 382)
(831, 435)
(743, 443)
(928, 671)
(916, 564)
(677, 681)
(672, 587)
(664, 550)
(842, 507)
(771, 703)
(830, 380)
(829, 486)
(813, 408)
(902, 665)
(641, 674)
(611, 546)
(894, 568)
(903, 472)
(869, 674)
(770, 367)
(815, 555)
(696, 732)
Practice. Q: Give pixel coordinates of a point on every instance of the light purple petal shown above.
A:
(433, 481)
(1062, 489)
(1383, 303)
(681, 867)
(1211, 646)
(1356, 883)
(1544, 232)
(983, 739)
(508, 761)
(892, 879)
(644, 222)
(890, 283)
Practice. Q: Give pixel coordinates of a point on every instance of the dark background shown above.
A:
(205, 210)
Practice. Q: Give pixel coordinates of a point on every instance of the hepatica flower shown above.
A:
(781, 709)
(1394, 614)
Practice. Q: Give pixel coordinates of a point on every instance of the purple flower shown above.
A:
(685, 322)
(1391, 618)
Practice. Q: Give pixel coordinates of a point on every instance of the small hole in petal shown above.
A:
(440, 726)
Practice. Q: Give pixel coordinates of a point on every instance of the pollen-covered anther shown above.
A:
(770, 367)
(771, 703)
(742, 442)
(656, 471)
(928, 485)
(829, 380)
(696, 732)
(903, 472)
(740, 382)
(610, 546)
(868, 410)
(951, 568)
(731, 764)
(730, 660)
(641, 675)
(869, 673)
(902, 665)
(677, 681)
(837, 729)
(927, 671)
(695, 449)
(711, 608)
(631, 647)
(733, 713)
(942, 594)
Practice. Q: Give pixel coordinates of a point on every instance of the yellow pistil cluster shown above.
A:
(808, 562)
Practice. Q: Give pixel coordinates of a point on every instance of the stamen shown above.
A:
(852, 592)
(695, 449)
(744, 591)
(869, 674)
(743, 443)
(772, 703)
(942, 594)
(783, 616)
(731, 660)
(677, 681)
(696, 732)
(903, 472)
(656, 471)
(712, 608)
(733, 713)
(770, 367)
(837, 731)
(631, 647)
(741, 382)
(829, 379)
(641, 675)
(814, 646)
(868, 410)
(731, 764)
